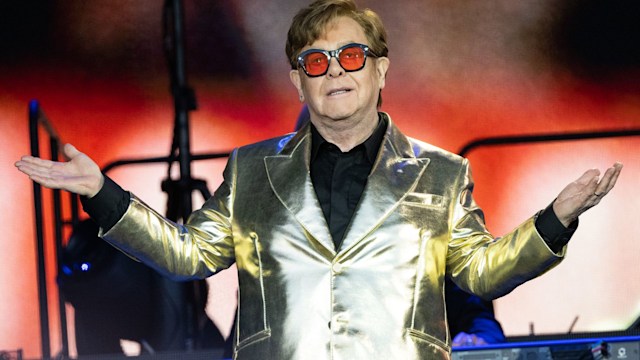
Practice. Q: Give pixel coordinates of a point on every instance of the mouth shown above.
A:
(338, 91)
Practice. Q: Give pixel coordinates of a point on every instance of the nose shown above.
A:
(335, 69)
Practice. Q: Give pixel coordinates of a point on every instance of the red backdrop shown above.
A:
(458, 72)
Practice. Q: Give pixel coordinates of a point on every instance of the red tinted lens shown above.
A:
(352, 58)
(315, 63)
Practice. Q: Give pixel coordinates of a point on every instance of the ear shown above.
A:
(294, 75)
(382, 65)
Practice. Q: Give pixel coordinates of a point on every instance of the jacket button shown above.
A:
(337, 268)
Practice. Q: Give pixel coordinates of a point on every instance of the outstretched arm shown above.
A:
(80, 175)
(500, 265)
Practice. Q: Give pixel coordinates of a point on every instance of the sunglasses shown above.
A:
(351, 57)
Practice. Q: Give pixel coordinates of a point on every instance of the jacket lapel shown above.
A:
(395, 173)
(290, 180)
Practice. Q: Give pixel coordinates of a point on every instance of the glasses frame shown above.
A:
(334, 54)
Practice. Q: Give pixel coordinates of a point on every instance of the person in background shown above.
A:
(472, 321)
(344, 232)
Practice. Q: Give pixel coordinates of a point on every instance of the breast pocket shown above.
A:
(425, 211)
(424, 200)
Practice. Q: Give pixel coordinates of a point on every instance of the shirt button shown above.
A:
(339, 323)
(337, 268)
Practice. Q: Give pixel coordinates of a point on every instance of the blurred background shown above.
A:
(460, 71)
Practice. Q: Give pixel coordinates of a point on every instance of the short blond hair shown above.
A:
(310, 22)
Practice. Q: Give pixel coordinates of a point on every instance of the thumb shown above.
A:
(70, 151)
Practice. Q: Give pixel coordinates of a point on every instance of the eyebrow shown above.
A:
(340, 44)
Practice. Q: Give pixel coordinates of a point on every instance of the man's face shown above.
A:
(339, 95)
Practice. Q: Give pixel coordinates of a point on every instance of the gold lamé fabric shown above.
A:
(379, 296)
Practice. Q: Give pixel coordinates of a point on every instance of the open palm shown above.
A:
(584, 193)
(80, 175)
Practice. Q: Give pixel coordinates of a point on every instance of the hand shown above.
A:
(79, 175)
(464, 339)
(584, 193)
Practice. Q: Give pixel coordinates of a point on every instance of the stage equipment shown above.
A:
(114, 297)
(178, 318)
(11, 354)
(624, 347)
(37, 118)
(635, 326)
(195, 327)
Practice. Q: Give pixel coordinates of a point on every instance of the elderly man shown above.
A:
(343, 232)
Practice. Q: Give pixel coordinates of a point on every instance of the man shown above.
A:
(344, 232)
(471, 320)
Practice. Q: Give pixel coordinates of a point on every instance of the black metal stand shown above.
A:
(179, 202)
(182, 322)
(34, 116)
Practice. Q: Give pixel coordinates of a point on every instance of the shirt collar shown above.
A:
(371, 145)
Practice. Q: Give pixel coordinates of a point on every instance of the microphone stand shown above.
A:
(179, 203)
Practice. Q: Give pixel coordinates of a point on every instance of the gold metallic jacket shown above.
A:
(381, 295)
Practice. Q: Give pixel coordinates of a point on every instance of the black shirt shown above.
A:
(339, 178)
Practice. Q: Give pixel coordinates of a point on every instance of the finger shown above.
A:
(609, 179)
(460, 339)
(25, 168)
(34, 161)
(29, 169)
(614, 176)
(588, 182)
(603, 187)
(46, 181)
(71, 151)
(588, 175)
(590, 189)
(41, 167)
(42, 174)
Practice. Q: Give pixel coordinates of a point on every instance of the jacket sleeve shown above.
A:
(194, 250)
(486, 266)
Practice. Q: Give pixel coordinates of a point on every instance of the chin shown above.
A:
(341, 113)
(340, 117)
